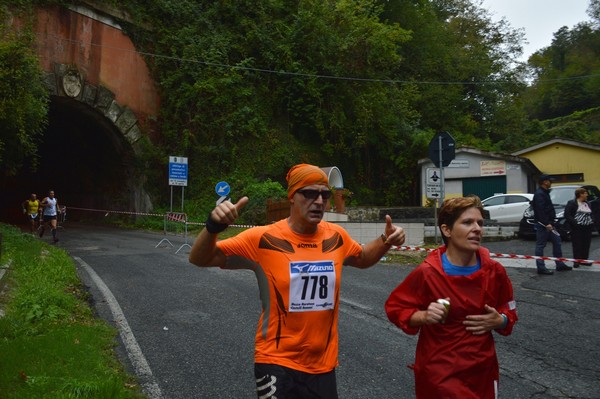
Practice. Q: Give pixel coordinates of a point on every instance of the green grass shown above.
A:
(405, 257)
(51, 345)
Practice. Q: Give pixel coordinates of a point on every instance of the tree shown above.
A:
(23, 104)
(594, 11)
(251, 88)
(566, 74)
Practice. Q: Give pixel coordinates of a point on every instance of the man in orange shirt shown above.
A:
(298, 263)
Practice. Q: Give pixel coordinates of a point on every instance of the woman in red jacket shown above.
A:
(454, 300)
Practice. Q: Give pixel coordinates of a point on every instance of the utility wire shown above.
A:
(309, 75)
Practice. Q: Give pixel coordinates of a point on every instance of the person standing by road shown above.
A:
(454, 300)
(544, 215)
(31, 208)
(49, 214)
(298, 265)
(578, 213)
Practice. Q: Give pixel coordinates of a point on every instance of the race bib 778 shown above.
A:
(312, 286)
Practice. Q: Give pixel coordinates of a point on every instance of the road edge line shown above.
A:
(138, 360)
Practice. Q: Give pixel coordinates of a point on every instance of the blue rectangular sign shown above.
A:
(178, 171)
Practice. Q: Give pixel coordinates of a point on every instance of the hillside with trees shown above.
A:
(250, 88)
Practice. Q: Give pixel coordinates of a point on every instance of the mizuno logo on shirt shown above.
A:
(312, 267)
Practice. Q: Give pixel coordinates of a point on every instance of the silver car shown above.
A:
(507, 208)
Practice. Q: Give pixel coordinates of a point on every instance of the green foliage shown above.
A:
(567, 74)
(24, 104)
(40, 297)
(254, 213)
(231, 117)
(52, 346)
(249, 89)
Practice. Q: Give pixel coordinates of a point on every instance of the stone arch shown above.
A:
(104, 176)
(102, 98)
(67, 81)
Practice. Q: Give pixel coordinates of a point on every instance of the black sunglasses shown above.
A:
(314, 194)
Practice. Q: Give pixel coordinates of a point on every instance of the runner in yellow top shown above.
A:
(298, 263)
(31, 208)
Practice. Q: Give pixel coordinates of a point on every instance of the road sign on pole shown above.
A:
(442, 149)
(433, 183)
(434, 191)
(178, 176)
(222, 189)
(441, 152)
(178, 171)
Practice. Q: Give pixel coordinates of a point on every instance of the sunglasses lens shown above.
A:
(314, 194)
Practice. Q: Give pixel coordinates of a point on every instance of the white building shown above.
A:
(477, 172)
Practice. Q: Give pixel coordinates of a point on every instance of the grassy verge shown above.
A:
(405, 257)
(51, 345)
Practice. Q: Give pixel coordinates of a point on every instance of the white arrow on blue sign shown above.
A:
(222, 188)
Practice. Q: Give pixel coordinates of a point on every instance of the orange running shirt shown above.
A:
(299, 281)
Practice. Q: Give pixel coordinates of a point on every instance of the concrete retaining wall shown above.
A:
(367, 232)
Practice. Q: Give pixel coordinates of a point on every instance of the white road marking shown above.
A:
(140, 364)
(530, 264)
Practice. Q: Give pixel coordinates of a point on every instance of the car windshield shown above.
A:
(560, 196)
(593, 193)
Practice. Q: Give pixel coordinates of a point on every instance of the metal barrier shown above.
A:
(175, 223)
(61, 217)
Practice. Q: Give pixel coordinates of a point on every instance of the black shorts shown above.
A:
(274, 381)
(48, 218)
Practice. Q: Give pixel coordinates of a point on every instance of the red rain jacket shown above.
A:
(450, 361)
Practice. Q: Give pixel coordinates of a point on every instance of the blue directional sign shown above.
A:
(222, 188)
(178, 171)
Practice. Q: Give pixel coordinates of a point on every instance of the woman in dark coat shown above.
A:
(578, 213)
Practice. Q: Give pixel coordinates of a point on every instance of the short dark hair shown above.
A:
(452, 208)
(579, 191)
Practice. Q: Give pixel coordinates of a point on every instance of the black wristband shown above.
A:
(214, 227)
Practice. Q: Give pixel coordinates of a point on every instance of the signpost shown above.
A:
(178, 175)
(434, 183)
(178, 171)
(442, 149)
(441, 152)
(222, 189)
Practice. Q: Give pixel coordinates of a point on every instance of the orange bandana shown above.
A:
(303, 175)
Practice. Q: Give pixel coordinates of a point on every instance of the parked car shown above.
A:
(560, 195)
(506, 208)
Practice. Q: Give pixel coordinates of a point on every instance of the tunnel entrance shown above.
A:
(83, 157)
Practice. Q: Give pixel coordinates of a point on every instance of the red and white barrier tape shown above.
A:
(106, 211)
(401, 248)
(243, 226)
(176, 217)
(510, 256)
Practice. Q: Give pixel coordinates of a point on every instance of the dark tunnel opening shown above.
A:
(82, 157)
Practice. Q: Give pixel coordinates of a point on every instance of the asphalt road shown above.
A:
(192, 329)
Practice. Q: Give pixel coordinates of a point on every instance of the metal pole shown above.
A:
(435, 229)
(182, 195)
(442, 183)
(171, 209)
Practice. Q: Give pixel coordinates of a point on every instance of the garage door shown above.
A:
(484, 186)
